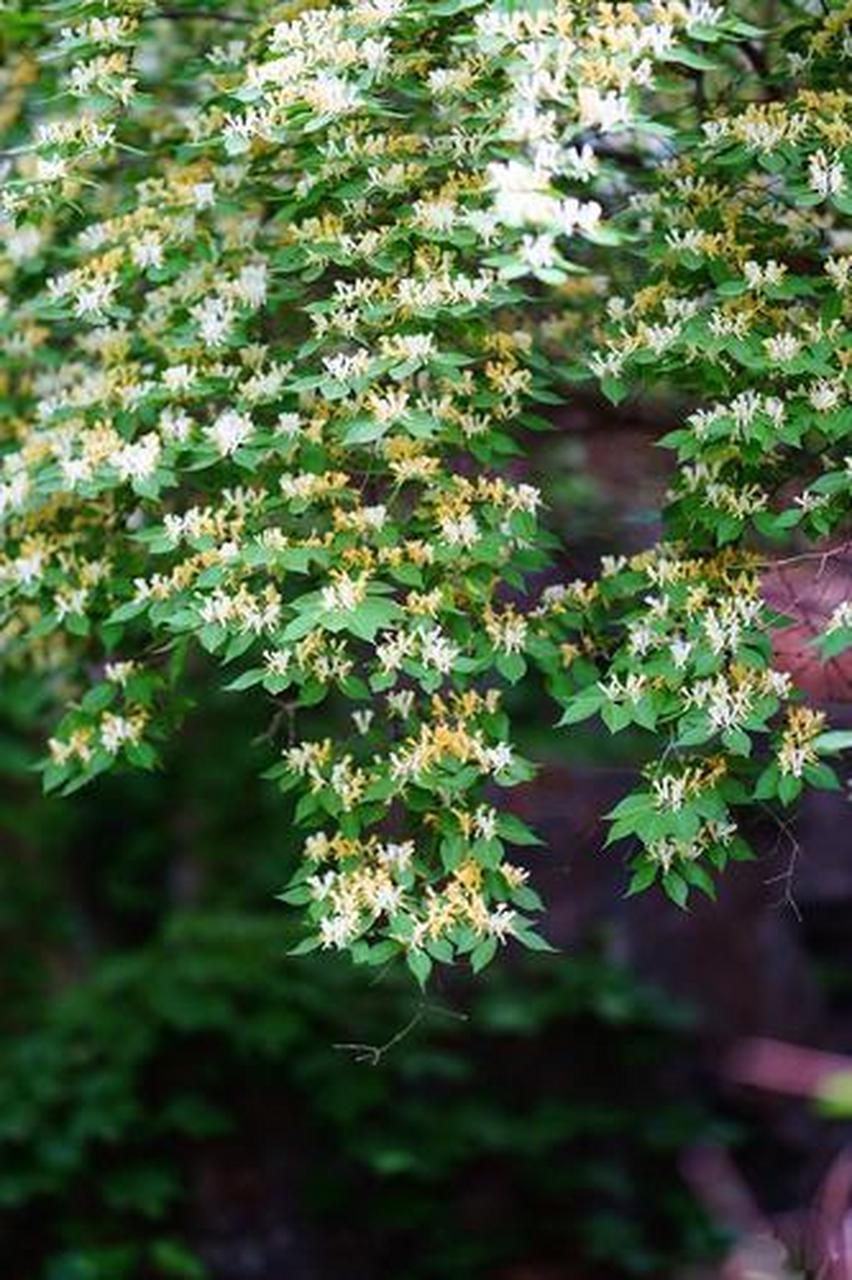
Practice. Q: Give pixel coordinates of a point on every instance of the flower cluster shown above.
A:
(745, 308)
(273, 316)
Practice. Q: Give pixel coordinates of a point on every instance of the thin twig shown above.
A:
(822, 556)
(373, 1053)
(786, 877)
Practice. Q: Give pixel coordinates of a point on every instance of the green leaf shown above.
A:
(531, 940)
(638, 802)
(98, 698)
(364, 431)
(246, 680)
(512, 829)
(483, 954)
(583, 705)
(788, 788)
(643, 877)
(676, 888)
(304, 947)
(766, 787)
(834, 740)
(419, 963)
(689, 58)
(511, 666)
(696, 875)
(833, 1095)
(614, 389)
(174, 1260)
(822, 776)
(737, 742)
(371, 616)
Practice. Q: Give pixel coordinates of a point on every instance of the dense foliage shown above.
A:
(282, 291)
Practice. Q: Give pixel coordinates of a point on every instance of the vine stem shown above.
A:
(822, 556)
(373, 1053)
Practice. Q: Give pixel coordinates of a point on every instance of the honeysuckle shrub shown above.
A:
(284, 288)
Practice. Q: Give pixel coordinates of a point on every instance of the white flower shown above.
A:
(203, 195)
(581, 165)
(250, 286)
(401, 702)
(344, 594)
(28, 567)
(321, 887)
(337, 931)
(215, 316)
(839, 271)
(631, 689)
(346, 368)
(446, 81)
(24, 242)
(92, 298)
(178, 377)
(526, 497)
(147, 250)
(809, 501)
(50, 168)
(499, 757)
(374, 517)
(485, 823)
(435, 215)
(601, 110)
(670, 791)
(75, 471)
(826, 177)
(409, 346)
(780, 683)
(684, 239)
(379, 11)
(783, 347)
(761, 277)
(70, 602)
(501, 923)
(460, 532)
(229, 431)
(388, 898)
(397, 856)
(277, 661)
(539, 252)
(288, 424)
(703, 13)
(611, 565)
(175, 425)
(138, 460)
(680, 650)
(438, 651)
(642, 637)
(362, 719)
(119, 672)
(658, 37)
(331, 96)
(661, 336)
(116, 730)
(521, 194)
(824, 396)
(841, 617)
(484, 223)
